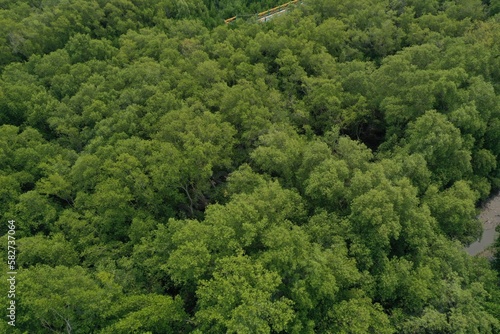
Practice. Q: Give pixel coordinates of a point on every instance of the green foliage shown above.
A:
(248, 305)
(360, 316)
(455, 211)
(316, 173)
(279, 152)
(326, 183)
(441, 145)
(61, 299)
(147, 314)
(53, 252)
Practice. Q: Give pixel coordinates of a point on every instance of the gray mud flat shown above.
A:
(490, 217)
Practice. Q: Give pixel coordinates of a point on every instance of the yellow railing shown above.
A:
(267, 12)
(276, 9)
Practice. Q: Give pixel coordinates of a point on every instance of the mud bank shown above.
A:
(490, 217)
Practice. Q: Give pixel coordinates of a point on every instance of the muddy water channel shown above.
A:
(490, 217)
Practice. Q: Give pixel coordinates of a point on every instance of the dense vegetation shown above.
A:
(319, 173)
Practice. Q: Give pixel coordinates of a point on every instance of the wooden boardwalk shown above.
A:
(268, 14)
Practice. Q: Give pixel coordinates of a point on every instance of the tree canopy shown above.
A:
(317, 173)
